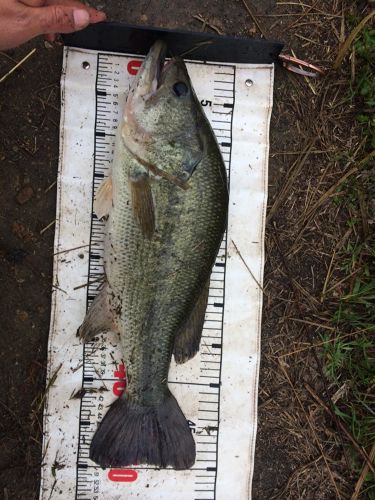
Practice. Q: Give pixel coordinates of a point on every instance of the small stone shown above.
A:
(22, 315)
(22, 232)
(24, 195)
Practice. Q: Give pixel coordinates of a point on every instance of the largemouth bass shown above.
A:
(166, 201)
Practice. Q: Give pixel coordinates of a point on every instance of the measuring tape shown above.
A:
(217, 389)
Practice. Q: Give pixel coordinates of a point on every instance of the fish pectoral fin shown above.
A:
(99, 318)
(187, 340)
(142, 202)
(103, 198)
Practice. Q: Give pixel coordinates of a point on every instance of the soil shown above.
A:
(289, 461)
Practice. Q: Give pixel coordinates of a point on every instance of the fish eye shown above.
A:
(180, 89)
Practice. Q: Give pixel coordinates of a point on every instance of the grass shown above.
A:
(349, 361)
(364, 88)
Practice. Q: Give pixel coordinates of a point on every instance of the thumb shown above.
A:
(60, 19)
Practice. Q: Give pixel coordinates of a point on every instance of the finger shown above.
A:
(58, 19)
(96, 16)
(33, 3)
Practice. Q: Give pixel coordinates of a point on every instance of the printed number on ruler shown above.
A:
(120, 385)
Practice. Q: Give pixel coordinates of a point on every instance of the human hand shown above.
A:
(21, 20)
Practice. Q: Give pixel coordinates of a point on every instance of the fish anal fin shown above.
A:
(99, 318)
(142, 203)
(103, 198)
(187, 340)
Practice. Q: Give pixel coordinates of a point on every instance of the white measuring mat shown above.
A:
(217, 390)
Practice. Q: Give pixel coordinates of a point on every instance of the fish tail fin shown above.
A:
(131, 434)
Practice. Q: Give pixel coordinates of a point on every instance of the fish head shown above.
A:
(163, 121)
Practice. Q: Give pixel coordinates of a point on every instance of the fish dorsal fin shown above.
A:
(187, 340)
(142, 203)
(103, 198)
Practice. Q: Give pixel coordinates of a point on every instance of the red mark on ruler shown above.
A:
(122, 475)
(120, 385)
(133, 67)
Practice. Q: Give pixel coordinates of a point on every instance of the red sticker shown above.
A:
(122, 475)
(120, 372)
(133, 67)
(119, 388)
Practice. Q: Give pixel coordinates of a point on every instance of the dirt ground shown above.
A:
(298, 454)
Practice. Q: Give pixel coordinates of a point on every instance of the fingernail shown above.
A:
(102, 15)
(81, 18)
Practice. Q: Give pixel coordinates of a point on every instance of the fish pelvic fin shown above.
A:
(99, 318)
(131, 434)
(142, 203)
(187, 340)
(103, 198)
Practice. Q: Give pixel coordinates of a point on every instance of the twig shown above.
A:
(254, 19)
(97, 280)
(328, 276)
(17, 65)
(312, 323)
(4, 54)
(70, 249)
(292, 176)
(52, 489)
(205, 23)
(312, 430)
(47, 227)
(338, 246)
(310, 7)
(50, 187)
(310, 214)
(307, 80)
(313, 152)
(323, 342)
(362, 477)
(312, 347)
(58, 288)
(280, 495)
(364, 214)
(359, 448)
(51, 381)
(247, 267)
(351, 38)
(343, 280)
(196, 47)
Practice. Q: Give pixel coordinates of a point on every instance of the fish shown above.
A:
(165, 203)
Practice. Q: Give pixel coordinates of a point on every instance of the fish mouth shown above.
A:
(149, 76)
